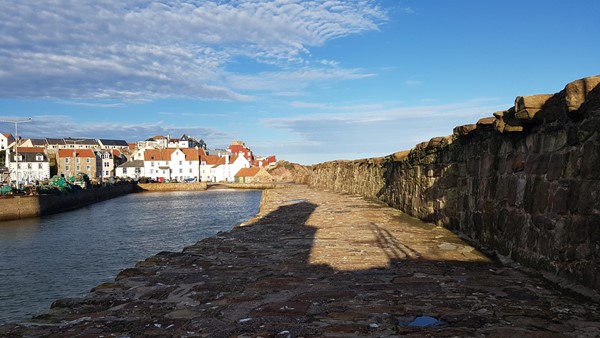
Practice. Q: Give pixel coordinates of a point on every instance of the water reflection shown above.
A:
(20, 229)
(65, 255)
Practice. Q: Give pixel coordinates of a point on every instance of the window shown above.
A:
(107, 173)
(40, 166)
(190, 170)
(28, 165)
(106, 164)
(180, 162)
(66, 160)
(19, 166)
(39, 157)
(88, 168)
(67, 167)
(87, 160)
(152, 164)
(180, 171)
(78, 168)
(78, 160)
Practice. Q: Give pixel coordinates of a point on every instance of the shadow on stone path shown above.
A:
(318, 264)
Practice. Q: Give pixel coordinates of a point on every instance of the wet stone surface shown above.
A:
(319, 264)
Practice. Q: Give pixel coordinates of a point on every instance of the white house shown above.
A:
(131, 169)
(31, 164)
(5, 141)
(221, 168)
(172, 163)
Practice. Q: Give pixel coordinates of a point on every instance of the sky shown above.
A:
(307, 81)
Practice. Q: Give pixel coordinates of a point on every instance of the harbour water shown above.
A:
(67, 254)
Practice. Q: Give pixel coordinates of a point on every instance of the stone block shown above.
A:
(506, 122)
(554, 141)
(559, 197)
(556, 166)
(464, 130)
(486, 121)
(527, 106)
(539, 195)
(589, 167)
(576, 92)
(537, 163)
(518, 162)
(486, 167)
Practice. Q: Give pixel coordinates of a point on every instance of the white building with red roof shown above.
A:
(173, 163)
(215, 168)
(239, 148)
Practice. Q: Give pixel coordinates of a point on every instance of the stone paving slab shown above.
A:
(319, 264)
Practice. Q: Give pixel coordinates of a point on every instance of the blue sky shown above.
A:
(308, 81)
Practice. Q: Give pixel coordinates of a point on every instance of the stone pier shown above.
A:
(320, 264)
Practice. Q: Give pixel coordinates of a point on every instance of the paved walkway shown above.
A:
(318, 264)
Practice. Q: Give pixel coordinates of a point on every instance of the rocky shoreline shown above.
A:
(320, 264)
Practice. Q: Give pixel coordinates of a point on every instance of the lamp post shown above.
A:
(16, 122)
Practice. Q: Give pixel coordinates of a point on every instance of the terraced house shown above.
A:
(30, 164)
(110, 159)
(70, 162)
(173, 163)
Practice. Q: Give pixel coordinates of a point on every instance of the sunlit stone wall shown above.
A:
(525, 182)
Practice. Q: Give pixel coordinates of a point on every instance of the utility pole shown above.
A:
(16, 122)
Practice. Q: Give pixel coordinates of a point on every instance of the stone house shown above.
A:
(70, 162)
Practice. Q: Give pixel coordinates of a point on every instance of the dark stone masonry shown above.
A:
(321, 264)
(525, 182)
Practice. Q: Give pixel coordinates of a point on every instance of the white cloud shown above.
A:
(144, 50)
(64, 126)
(293, 80)
(357, 130)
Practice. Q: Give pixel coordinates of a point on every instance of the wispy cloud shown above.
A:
(293, 80)
(145, 50)
(64, 126)
(360, 129)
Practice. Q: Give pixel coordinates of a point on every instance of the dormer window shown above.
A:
(39, 157)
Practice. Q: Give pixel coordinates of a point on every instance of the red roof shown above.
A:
(247, 172)
(191, 154)
(238, 148)
(78, 153)
(31, 149)
(158, 154)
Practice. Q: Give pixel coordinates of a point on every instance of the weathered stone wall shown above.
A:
(17, 207)
(525, 182)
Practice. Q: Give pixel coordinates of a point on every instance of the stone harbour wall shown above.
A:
(187, 186)
(525, 182)
(18, 207)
